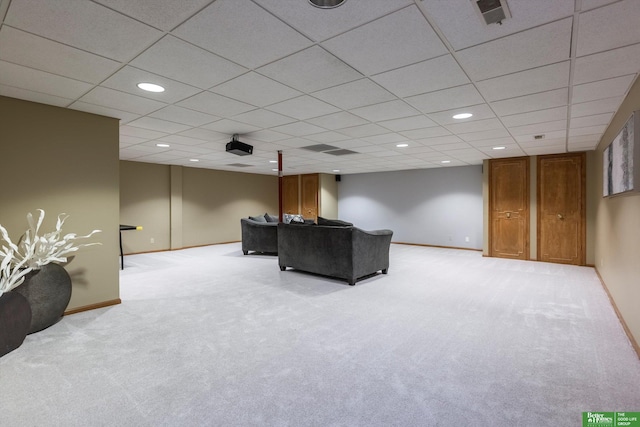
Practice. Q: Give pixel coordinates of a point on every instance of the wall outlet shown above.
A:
(152, 240)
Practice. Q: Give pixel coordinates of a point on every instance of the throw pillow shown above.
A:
(258, 218)
(270, 218)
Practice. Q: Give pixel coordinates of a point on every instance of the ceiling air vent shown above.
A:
(492, 11)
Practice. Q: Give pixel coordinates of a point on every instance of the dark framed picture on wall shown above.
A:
(621, 160)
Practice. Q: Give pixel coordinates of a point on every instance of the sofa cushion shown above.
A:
(333, 222)
(270, 218)
(258, 218)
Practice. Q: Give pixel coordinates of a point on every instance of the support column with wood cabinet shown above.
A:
(310, 195)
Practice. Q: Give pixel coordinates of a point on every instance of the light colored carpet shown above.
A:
(207, 336)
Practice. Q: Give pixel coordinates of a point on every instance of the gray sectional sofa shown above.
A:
(340, 250)
(259, 235)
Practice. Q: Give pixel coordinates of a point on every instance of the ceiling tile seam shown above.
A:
(4, 9)
(572, 67)
(517, 32)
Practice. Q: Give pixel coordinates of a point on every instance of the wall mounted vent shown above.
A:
(492, 11)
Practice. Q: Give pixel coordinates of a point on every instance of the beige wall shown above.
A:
(328, 197)
(145, 201)
(62, 160)
(617, 229)
(180, 207)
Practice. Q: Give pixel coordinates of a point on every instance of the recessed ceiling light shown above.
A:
(462, 116)
(275, 170)
(499, 148)
(150, 87)
(336, 170)
(445, 161)
(163, 145)
(194, 160)
(402, 145)
(326, 4)
(273, 161)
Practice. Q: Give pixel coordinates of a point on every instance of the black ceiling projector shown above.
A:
(239, 148)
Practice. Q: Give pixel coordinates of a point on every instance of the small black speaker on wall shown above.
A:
(338, 178)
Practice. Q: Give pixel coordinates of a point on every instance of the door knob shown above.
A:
(508, 214)
(560, 216)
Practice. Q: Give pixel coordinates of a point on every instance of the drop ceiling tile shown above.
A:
(185, 116)
(124, 116)
(140, 132)
(601, 29)
(446, 99)
(337, 120)
(178, 60)
(483, 135)
(463, 27)
(110, 98)
(266, 135)
(298, 129)
(450, 146)
(320, 24)
(600, 106)
(546, 150)
(605, 65)
(385, 138)
(586, 121)
(263, 118)
(549, 137)
(354, 94)
(30, 95)
(242, 32)
(590, 130)
(40, 81)
(180, 139)
(540, 116)
(255, 89)
(408, 123)
(539, 128)
(83, 25)
(127, 78)
(362, 131)
(162, 14)
(432, 132)
(439, 140)
(475, 126)
(231, 127)
(537, 47)
(303, 107)
(217, 105)
(127, 141)
(526, 103)
(385, 111)
(37, 52)
(602, 89)
(326, 137)
(412, 40)
(426, 76)
(310, 70)
(206, 135)
(527, 82)
(480, 112)
(506, 141)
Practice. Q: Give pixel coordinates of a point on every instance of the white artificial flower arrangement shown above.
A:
(34, 251)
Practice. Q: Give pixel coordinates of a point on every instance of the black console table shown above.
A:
(125, 228)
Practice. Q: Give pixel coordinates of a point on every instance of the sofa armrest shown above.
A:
(371, 251)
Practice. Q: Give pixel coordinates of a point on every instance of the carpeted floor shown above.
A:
(207, 336)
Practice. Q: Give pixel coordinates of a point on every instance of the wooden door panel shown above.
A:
(561, 208)
(309, 195)
(509, 208)
(290, 201)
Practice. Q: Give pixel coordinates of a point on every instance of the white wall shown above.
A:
(438, 207)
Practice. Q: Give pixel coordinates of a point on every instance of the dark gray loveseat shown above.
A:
(259, 236)
(347, 253)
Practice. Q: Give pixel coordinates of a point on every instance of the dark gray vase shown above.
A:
(48, 291)
(15, 319)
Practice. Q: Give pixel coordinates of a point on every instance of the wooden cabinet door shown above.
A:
(509, 208)
(309, 195)
(561, 208)
(290, 202)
